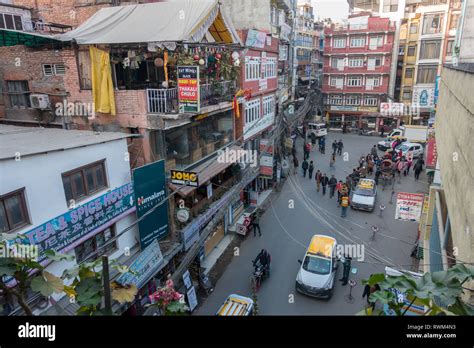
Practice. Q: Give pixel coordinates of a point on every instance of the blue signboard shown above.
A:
(66, 231)
(436, 91)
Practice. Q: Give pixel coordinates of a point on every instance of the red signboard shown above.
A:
(431, 153)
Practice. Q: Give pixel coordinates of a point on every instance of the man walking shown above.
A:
(256, 223)
(304, 166)
(344, 204)
(310, 169)
(332, 186)
(418, 168)
(295, 164)
(318, 177)
(346, 270)
(373, 151)
(339, 191)
(340, 146)
(324, 183)
(334, 147)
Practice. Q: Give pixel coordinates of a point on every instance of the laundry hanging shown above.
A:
(102, 86)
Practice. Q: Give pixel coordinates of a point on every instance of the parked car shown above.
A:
(318, 129)
(364, 195)
(316, 277)
(236, 305)
(415, 148)
(387, 143)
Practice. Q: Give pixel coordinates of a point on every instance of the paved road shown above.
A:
(287, 232)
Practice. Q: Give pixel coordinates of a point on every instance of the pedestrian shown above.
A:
(323, 145)
(373, 151)
(339, 191)
(346, 270)
(340, 146)
(348, 184)
(320, 143)
(418, 168)
(332, 186)
(332, 160)
(344, 203)
(310, 169)
(400, 166)
(324, 183)
(377, 175)
(318, 177)
(361, 161)
(293, 151)
(334, 146)
(305, 152)
(313, 139)
(304, 166)
(382, 130)
(308, 148)
(368, 290)
(295, 163)
(409, 161)
(256, 223)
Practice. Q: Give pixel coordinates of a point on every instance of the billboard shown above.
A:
(180, 177)
(431, 153)
(409, 206)
(256, 38)
(149, 184)
(423, 96)
(188, 89)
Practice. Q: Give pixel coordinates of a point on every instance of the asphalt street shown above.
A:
(298, 212)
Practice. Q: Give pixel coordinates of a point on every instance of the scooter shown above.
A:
(366, 132)
(205, 282)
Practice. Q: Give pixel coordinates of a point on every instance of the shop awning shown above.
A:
(207, 171)
(15, 37)
(170, 21)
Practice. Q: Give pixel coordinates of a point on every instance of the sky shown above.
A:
(336, 9)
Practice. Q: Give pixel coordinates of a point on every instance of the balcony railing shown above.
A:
(165, 101)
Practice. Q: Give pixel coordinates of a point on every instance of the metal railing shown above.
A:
(165, 100)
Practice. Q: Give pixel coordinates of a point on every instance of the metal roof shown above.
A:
(28, 141)
(15, 37)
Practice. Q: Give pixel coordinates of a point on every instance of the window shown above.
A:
(84, 69)
(19, 93)
(430, 49)
(433, 23)
(406, 94)
(356, 62)
(358, 41)
(339, 42)
(409, 73)
(85, 181)
(95, 245)
(411, 51)
(13, 212)
(268, 105)
(427, 73)
(8, 21)
(252, 68)
(453, 23)
(374, 62)
(375, 41)
(336, 99)
(401, 50)
(337, 81)
(271, 68)
(354, 81)
(371, 101)
(53, 69)
(353, 100)
(252, 111)
(449, 48)
(373, 81)
(337, 63)
(413, 28)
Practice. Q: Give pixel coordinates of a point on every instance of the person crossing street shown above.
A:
(310, 169)
(324, 183)
(332, 186)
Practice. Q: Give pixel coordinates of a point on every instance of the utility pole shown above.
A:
(106, 276)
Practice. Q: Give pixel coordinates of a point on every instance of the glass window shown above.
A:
(84, 181)
(371, 101)
(430, 49)
(19, 94)
(453, 23)
(449, 48)
(95, 246)
(13, 212)
(339, 42)
(354, 81)
(358, 41)
(406, 94)
(413, 28)
(356, 62)
(353, 100)
(433, 23)
(317, 265)
(427, 73)
(336, 99)
(411, 51)
(409, 73)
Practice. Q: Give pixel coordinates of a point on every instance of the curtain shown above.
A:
(102, 86)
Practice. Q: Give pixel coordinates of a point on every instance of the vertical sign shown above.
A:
(431, 153)
(149, 185)
(188, 89)
(263, 79)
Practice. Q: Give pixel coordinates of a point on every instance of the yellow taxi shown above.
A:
(236, 305)
(363, 196)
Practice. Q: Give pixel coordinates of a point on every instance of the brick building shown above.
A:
(357, 66)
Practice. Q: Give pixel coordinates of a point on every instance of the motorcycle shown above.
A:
(366, 132)
(260, 272)
(205, 282)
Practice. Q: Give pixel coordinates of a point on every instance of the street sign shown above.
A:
(180, 177)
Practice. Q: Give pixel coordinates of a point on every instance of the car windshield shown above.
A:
(317, 265)
(364, 192)
(404, 148)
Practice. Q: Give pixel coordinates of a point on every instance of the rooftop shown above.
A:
(28, 141)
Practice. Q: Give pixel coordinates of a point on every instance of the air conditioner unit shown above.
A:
(39, 101)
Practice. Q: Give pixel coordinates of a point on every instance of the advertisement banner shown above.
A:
(145, 266)
(256, 38)
(431, 154)
(266, 160)
(149, 184)
(436, 90)
(180, 177)
(188, 89)
(71, 229)
(423, 96)
(409, 206)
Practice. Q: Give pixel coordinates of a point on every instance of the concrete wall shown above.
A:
(249, 14)
(454, 136)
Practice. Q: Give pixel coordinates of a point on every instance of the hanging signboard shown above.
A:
(409, 206)
(180, 177)
(149, 184)
(256, 38)
(423, 97)
(145, 266)
(188, 88)
(431, 154)
(71, 229)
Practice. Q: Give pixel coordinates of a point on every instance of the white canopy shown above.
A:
(171, 21)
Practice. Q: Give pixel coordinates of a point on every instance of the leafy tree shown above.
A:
(447, 286)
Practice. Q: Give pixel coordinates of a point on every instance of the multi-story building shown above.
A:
(306, 43)
(357, 66)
